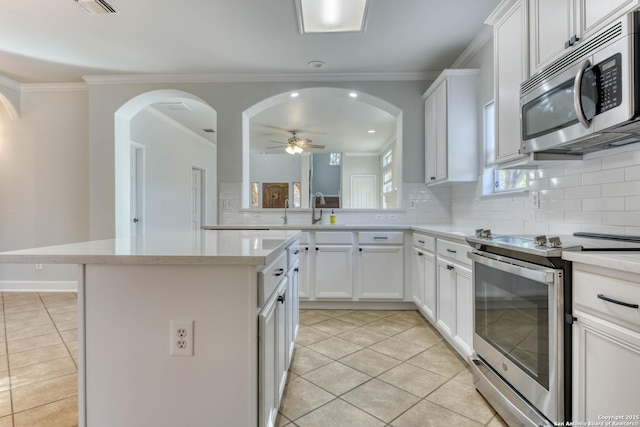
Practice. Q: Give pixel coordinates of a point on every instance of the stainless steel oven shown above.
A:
(520, 339)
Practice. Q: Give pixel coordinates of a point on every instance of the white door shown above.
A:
(363, 191)
(137, 188)
(197, 198)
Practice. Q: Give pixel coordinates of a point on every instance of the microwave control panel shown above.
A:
(609, 78)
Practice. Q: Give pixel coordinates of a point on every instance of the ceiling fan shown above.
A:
(295, 145)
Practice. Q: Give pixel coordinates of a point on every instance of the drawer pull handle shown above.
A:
(421, 241)
(380, 238)
(626, 304)
(451, 251)
(282, 298)
(449, 267)
(278, 272)
(420, 254)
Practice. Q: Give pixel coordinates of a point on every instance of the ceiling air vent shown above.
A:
(95, 7)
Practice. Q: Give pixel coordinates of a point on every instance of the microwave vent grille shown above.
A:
(584, 49)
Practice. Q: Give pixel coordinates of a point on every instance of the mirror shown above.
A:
(346, 145)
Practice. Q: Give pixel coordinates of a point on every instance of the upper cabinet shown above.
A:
(511, 67)
(557, 26)
(451, 127)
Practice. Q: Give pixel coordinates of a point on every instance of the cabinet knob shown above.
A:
(296, 252)
(449, 267)
(420, 254)
(433, 178)
(360, 249)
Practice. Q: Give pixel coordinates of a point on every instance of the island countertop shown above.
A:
(231, 247)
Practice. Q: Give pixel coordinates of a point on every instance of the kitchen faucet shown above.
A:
(285, 221)
(313, 207)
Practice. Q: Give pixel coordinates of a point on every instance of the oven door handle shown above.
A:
(525, 269)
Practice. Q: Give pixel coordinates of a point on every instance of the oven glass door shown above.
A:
(512, 314)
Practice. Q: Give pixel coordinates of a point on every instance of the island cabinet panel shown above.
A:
(127, 373)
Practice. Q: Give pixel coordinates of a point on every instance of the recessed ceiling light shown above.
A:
(294, 95)
(316, 64)
(371, 131)
(353, 94)
(331, 16)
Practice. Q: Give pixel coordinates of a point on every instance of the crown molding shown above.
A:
(53, 87)
(474, 47)
(247, 78)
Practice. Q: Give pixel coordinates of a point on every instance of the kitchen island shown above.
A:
(136, 367)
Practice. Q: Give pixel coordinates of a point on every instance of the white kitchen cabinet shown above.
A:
(424, 276)
(381, 272)
(292, 302)
(304, 268)
(552, 24)
(454, 313)
(511, 68)
(282, 347)
(269, 353)
(451, 127)
(606, 343)
(333, 271)
(558, 26)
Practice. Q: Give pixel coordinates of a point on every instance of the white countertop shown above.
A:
(443, 231)
(624, 261)
(237, 247)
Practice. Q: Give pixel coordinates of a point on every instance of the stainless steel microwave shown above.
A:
(589, 99)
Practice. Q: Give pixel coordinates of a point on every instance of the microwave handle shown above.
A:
(577, 94)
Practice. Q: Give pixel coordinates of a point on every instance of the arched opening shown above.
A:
(349, 101)
(164, 143)
(11, 109)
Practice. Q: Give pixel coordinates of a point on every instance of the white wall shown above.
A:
(230, 100)
(170, 152)
(44, 175)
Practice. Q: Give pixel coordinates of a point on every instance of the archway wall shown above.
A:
(230, 100)
(10, 97)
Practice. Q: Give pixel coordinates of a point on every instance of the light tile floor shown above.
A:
(38, 359)
(378, 368)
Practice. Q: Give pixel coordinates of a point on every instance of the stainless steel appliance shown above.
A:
(523, 321)
(589, 99)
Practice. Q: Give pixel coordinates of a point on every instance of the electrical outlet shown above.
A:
(226, 205)
(412, 204)
(38, 266)
(181, 337)
(535, 200)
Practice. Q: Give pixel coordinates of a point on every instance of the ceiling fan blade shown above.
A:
(313, 146)
(303, 141)
(271, 148)
(279, 142)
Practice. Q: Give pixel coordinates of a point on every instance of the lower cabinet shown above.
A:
(304, 278)
(455, 304)
(381, 272)
(424, 283)
(333, 271)
(270, 350)
(606, 344)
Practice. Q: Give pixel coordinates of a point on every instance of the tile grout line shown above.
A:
(6, 347)
(58, 331)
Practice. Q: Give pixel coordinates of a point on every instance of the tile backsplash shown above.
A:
(600, 193)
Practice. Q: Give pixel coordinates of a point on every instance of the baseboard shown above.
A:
(357, 305)
(38, 286)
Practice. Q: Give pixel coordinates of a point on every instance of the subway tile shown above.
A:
(583, 217)
(629, 188)
(557, 194)
(583, 166)
(603, 204)
(603, 177)
(556, 228)
(632, 203)
(565, 181)
(621, 218)
(536, 228)
(632, 173)
(584, 192)
(621, 159)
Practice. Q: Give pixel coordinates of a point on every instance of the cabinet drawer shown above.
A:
(293, 253)
(454, 251)
(587, 287)
(270, 276)
(424, 242)
(334, 238)
(381, 237)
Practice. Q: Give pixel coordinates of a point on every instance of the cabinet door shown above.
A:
(464, 309)
(596, 14)
(441, 131)
(293, 311)
(446, 298)
(268, 356)
(606, 358)
(282, 346)
(381, 272)
(509, 72)
(430, 287)
(418, 277)
(430, 139)
(551, 24)
(333, 271)
(303, 272)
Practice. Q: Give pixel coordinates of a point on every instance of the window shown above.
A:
(502, 180)
(334, 159)
(387, 158)
(387, 182)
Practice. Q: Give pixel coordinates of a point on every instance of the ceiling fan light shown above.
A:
(290, 149)
(297, 149)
